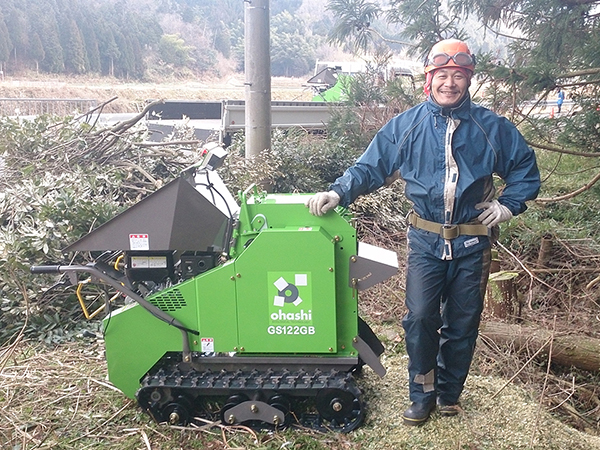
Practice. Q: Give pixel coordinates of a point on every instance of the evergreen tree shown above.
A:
(426, 23)
(109, 50)
(53, 52)
(91, 46)
(77, 36)
(174, 51)
(139, 67)
(36, 50)
(222, 40)
(125, 63)
(353, 23)
(5, 44)
(225, 18)
(291, 55)
(291, 51)
(75, 57)
(17, 25)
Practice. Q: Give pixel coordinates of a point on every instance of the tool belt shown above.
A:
(447, 231)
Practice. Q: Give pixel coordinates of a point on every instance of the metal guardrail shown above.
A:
(284, 114)
(40, 106)
(228, 116)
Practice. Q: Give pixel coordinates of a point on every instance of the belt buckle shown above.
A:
(449, 231)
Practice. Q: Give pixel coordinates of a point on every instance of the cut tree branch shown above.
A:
(557, 149)
(167, 143)
(575, 193)
(569, 350)
(126, 124)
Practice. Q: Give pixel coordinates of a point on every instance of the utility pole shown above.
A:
(257, 67)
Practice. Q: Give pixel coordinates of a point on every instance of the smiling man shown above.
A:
(447, 150)
(449, 86)
(448, 70)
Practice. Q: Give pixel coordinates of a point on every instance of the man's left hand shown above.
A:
(493, 213)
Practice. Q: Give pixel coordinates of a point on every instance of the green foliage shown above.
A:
(174, 51)
(297, 162)
(6, 44)
(92, 50)
(40, 216)
(425, 23)
(36, 50)
(345, 127)
(223, 41)
(75, 36)
(369, 103)
(292, 52)
(53, 61)
(119, 38)
(570, 219)
(17, 29)
(353, 25)
(581, 129)
(60, 179)
(74, 48)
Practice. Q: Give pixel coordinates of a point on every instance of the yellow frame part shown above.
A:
(87, 315)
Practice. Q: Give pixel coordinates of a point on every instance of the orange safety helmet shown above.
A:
(450, 53)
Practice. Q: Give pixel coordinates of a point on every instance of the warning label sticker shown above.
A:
(139, 242)
(208, 345)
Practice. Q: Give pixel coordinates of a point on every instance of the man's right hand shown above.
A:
(322, 202)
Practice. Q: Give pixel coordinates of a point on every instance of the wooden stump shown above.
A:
(501, 300)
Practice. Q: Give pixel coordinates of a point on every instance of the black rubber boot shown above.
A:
(418, 413)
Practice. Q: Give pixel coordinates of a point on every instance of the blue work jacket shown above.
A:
(447, 158)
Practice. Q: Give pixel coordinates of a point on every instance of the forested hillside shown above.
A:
(138, 38)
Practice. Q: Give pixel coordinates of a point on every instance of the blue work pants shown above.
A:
(444, 300)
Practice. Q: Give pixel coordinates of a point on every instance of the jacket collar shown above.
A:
(462, 111)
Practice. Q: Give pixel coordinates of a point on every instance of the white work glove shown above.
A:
(322, 202)
(493, 213)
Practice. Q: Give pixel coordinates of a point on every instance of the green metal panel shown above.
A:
(286, 292)
(346, 297)
(280, 211)
(217, 310)
(136, 340)
(270, 212)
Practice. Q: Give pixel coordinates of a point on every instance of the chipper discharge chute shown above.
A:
(244, 313)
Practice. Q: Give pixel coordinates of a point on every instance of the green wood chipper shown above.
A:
(244, 313)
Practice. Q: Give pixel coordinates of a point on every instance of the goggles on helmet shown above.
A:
(461, 59)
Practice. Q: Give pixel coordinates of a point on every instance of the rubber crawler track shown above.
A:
(322, 400)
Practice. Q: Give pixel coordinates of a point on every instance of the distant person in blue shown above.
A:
(560, 98)
(447, 150)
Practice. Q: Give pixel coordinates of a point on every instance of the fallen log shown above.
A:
(568, 350)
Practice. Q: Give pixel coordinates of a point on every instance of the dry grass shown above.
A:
(58, 398)
(133, 95)
(511, 420)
